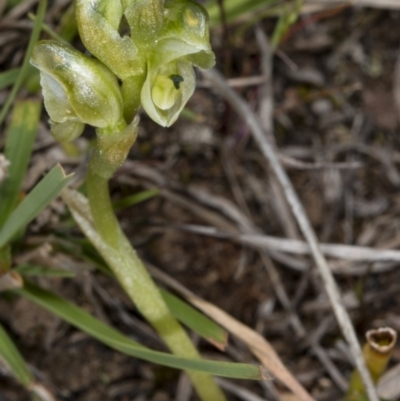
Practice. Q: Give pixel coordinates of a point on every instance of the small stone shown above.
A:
(321, 106)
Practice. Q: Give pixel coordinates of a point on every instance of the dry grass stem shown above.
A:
(392, 4)
(297, 247)
(240, 392)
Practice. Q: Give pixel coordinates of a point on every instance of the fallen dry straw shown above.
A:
(297, 247)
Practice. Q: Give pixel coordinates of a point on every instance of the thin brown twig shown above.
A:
(270, 153)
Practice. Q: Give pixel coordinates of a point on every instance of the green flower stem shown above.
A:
(131, 88)
(137, 282)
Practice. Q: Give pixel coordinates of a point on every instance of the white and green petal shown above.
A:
(166, 91)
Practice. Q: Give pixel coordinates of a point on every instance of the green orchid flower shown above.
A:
(155, 64)
(182, 43)
(98, 22)
(77, 90)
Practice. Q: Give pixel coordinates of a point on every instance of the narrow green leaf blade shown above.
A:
(67, 27)
(135, 199)
(13, 359)
(25, 65)
(42, 271)
(43, 193)
(114, 339)
(195, 320)
(20, 137)
(234, 9)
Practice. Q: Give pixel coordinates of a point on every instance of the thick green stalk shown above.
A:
(131, 89)
(138, 284)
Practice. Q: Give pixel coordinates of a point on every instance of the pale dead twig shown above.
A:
(297, 247)
(269, 152)
(394, 4)
(330, 367)
(238, 391)
(4, 163)
(19, 10)
(238, 82)
(228, 165)
(389, 384)
(381, 155)
(396, 86)
(265, 112)
(259, 346)
(322, 354)
(290, 162)
(266, 103)
(350, 300)
(184, 388)
(10, 281)
(42, 392)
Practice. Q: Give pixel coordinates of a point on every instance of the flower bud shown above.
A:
(98, 22)
(77, 90)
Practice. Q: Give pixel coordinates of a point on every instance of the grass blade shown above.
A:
(233, 9)
(13, 359)
(43, 193)
(25, 65)
(20, 137)
(68, 28)
(195, 320)
(42, 271)
(114, 339)
(135, 199)
(15, 362)
(8, 77)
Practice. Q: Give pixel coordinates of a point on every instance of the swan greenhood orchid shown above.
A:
(151, 67)
(166, 40)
